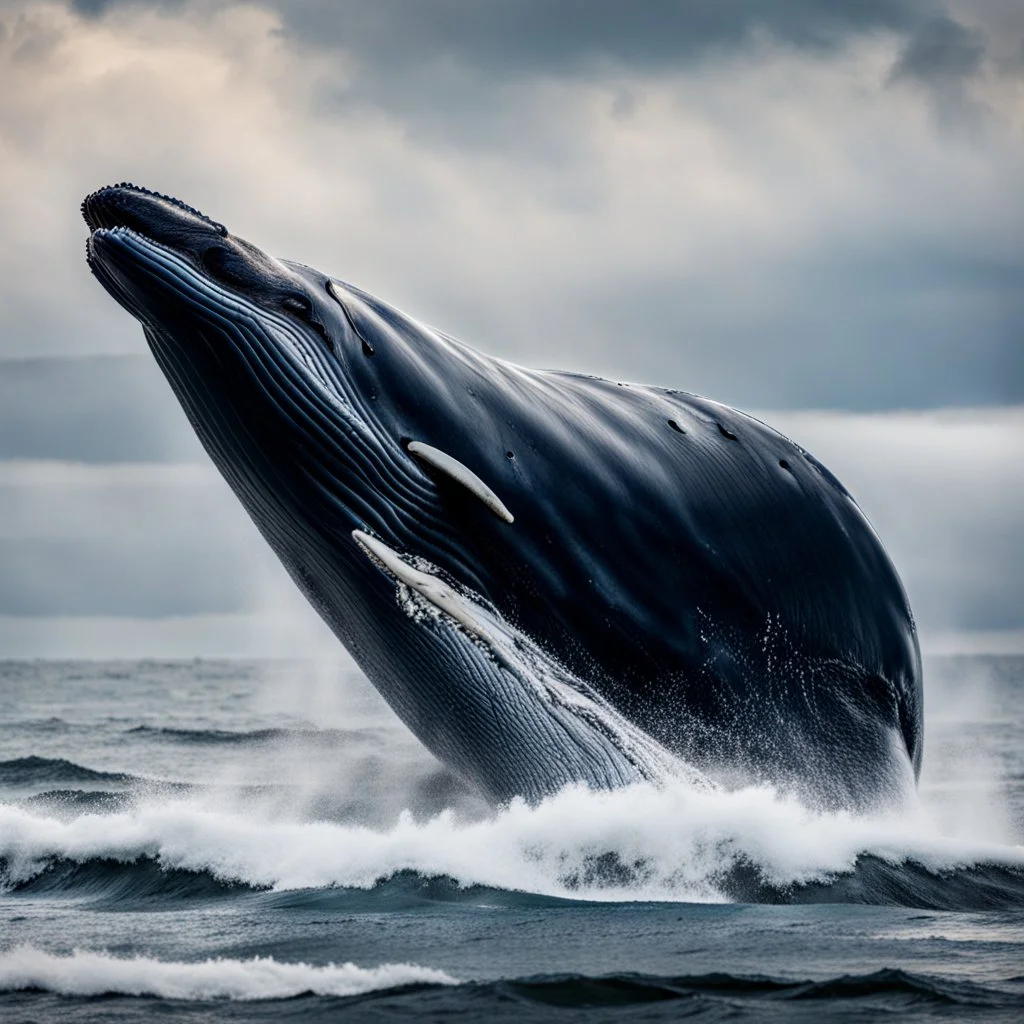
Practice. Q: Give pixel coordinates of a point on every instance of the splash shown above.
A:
(644, 842)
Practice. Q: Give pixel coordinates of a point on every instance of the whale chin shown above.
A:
(551, 578)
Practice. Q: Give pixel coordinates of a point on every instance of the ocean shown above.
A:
(261, 840)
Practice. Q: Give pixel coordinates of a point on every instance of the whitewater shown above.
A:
(94, 974)
(669, 844)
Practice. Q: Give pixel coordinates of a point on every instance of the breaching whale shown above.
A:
(552, 578)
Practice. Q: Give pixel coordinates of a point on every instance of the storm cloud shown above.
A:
(795, 206)
(790, 204)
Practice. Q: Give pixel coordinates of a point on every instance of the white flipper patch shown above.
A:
(461, 474)
(432, 589)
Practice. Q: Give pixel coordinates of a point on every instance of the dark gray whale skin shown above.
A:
(689, 570)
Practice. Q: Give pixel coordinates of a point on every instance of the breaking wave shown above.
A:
(411, 987)
(674, 843)
(96, 974)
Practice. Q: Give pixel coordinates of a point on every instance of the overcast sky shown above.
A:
(784, 204)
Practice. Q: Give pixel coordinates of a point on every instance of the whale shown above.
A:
(552, 578)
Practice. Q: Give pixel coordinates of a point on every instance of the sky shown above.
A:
(809, 209)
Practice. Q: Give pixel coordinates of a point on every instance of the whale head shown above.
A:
(551, 578)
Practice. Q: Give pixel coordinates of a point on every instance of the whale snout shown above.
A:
(143, 244)
(161, 218)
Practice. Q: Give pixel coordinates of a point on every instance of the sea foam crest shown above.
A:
(673, 842)
(93, 974)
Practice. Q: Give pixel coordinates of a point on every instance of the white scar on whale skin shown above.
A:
(547, 680)
(434, 590)
(444, 463)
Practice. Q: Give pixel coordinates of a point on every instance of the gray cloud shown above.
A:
(943, 490)
(737, 199)
(454, 71)
(139, 580)
(134, 540)
(570, 36)
(939, 51)
(91, 409)
(943, 57)
(562, 36)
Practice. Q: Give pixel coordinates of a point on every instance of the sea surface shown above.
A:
(255, 841)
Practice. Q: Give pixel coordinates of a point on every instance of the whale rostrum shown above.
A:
(682, 593)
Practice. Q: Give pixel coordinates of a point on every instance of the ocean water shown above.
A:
(264, 841)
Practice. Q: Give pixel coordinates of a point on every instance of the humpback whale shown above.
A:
(551, 578)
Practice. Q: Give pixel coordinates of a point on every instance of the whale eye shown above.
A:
(299, 305)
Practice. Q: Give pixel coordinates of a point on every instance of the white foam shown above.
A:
(678, 839)
(92, 974)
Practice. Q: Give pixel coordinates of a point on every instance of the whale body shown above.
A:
(552, 578)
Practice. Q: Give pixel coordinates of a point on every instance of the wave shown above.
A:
(145, 883)
(641, 843)
(96, 974)
(434, 992)
(368, 791)
(123, 886)
(257, 736)
(898, 987)
(37, 771)
(46, 725)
